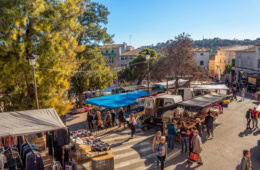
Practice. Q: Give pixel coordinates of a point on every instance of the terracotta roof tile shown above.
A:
(131, 53)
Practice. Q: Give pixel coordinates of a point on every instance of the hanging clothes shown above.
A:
(34, 161)
(55, 166)
(62, 137)
(49, 142)
(14, 161)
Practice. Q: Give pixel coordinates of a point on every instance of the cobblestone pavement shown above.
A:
(224, 152)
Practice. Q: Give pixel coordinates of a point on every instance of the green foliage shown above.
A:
(228, 69)
(138, 67)
(49, 29)
(93, 72)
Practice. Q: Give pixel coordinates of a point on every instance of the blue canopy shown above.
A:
(117, 100)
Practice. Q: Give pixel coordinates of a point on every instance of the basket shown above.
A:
(103, 164)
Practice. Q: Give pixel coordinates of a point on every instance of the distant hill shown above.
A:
(209, 43)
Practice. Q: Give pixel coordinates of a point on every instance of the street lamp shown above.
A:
(32, 60)
(148, 56)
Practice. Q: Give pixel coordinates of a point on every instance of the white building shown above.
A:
(248, 64)
(202, 57)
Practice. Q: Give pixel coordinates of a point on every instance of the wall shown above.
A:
(202, 56)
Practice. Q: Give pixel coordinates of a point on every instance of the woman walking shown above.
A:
(184, 138)
(161, 151)
(132, 124)
(156, 141)
(197, 145)
(248, 118)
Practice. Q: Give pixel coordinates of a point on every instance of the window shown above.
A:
(233, 62)
(112, 59)
(106, 51)
(201, 63)
(112, 51)
(122, 58)
(201, 54)
(220, 61)
(224, 61)
(258, 63)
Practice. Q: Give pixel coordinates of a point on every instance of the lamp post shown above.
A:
(32, 61)
(148, 56)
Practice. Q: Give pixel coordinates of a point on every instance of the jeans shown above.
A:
(90, 125)
(255, 123)
(171, 141)
(162, 160)
(210, 131)
(184, 144)
(248, 123)
(132, 130)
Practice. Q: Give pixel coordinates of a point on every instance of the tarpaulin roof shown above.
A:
(117, 100)
(29, 122)
(203, 101)
(212, 87)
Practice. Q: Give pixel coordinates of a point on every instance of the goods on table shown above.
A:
(80, 133)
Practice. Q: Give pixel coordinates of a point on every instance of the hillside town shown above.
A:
(75, 96)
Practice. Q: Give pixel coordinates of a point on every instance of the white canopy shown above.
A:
(211, 87)
(171, 83)
(29, 122)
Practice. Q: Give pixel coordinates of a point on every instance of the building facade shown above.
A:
(126, 57)
(211, 71)
(202, 57)
(226, 55)
(113, 53)
(247, 65)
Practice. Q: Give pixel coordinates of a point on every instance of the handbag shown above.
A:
(194, 156)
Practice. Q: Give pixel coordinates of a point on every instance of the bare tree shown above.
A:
(178, 61)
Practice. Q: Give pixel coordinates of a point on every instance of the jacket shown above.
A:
(171, 129)
(161, 149)
(209, 121)
(246, 164)
(196, 144)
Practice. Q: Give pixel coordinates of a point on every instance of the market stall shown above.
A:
(19, 142)
(198, 107)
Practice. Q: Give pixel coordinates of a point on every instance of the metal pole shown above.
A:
(35, 89)
(167, 85)
(148, 81)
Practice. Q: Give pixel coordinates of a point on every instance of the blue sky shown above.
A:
(153, 21)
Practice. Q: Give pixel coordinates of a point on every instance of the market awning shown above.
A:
(117, 100)
(211, 87)
(29, 122)
(171, 84)
(203, 101)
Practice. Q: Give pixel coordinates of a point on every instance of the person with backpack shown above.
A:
(248, 118)
(171, 127)
(108, 119)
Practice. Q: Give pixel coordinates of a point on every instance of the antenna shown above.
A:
(130, 40)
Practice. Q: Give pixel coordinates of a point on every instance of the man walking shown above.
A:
(209, 124)
(246, 163)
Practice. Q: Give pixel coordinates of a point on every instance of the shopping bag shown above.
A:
(194, 156)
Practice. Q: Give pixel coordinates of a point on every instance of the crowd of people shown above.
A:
(109, 120)
(191, 138)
